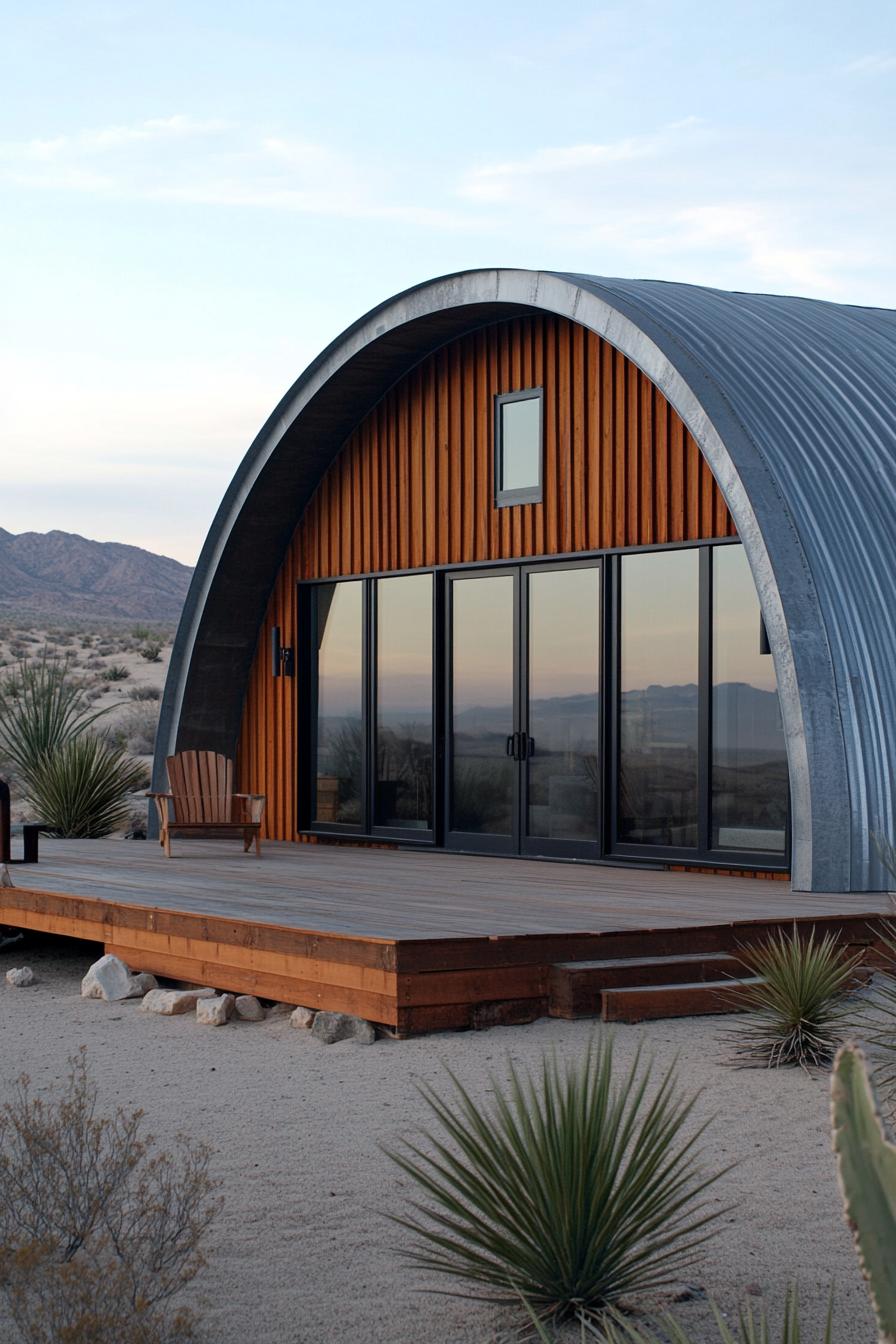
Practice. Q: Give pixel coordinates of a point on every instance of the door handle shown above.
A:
(530, 745)
(508, 746)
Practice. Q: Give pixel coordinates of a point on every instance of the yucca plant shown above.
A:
(797, 1007)
(41, 708)
(754, 1326)
(81, 789)
(572, 1188)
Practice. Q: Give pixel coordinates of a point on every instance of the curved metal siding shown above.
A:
(813, 385)
(791, 400)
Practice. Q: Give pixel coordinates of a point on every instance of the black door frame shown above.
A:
(609, 849)
(518, 841)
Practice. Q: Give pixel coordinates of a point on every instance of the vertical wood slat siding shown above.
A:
(413, 486)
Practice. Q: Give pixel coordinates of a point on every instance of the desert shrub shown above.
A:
(99, 1233)
(81, 790)
(796, 1010)
(41, 709)
(144, 693)
(571, 1189)
(152, 651)
(116, 672)
(754, 1326)
(136, 729)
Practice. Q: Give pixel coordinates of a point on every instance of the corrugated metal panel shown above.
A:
(813, 385)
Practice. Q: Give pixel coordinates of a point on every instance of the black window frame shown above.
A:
(611, 849)
(505, 499)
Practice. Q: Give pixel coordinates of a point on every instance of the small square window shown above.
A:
(518, 450)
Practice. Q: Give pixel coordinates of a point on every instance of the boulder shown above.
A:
(302, 1017)
(109, 979)
(143, 983)
(20, 976)
(280, 1010)
(329, 1028)
(171, 1002)
(247, 1008)
(214, 1011)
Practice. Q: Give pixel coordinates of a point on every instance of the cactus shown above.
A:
(866, 1161)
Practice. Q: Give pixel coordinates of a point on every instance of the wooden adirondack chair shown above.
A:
(202, 799)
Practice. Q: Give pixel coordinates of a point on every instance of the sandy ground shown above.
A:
(304, 1252)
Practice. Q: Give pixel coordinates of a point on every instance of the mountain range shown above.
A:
(57, 575)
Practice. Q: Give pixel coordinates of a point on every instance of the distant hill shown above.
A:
(58, 575)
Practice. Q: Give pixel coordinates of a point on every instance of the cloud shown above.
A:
(875, 63)
(216, 163)
(109, 138)
(498, 181)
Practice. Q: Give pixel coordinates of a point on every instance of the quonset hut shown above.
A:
(547, 564)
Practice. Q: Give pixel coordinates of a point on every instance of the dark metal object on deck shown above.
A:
(30, 831)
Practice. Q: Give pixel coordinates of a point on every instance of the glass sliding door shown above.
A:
(482, 772)
(658, 705)
(403, 691)
(338, 794)
(749, 760)
(562, 710)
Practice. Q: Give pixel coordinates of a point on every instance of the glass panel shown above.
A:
(339, 703)
(520, 444)
(658, 718)
(404, 702)
(749, 760)
(482, 705)
(564, 691)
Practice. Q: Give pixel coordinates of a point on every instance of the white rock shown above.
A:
(108, 979)
(302, 1017)
(281, 1010)
(171, 1002)
(215, 1011)
(20, 976)
(248, 1009)
(329, 1028)
(143, 982)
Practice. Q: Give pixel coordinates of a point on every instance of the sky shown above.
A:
(196, 198)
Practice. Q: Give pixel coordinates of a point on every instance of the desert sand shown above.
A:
(304, 1252)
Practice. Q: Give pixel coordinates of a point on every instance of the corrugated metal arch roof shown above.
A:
(793, 402)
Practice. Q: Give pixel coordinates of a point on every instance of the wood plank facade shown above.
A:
(413, 487)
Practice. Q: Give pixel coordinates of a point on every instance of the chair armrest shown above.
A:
(255, 804)
(158, 795)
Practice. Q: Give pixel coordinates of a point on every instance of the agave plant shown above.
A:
(41, 709)
(572, 1188)
(81, 789)
(798, 1003)
(754, 1326)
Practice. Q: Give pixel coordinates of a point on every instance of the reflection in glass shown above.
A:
(404, 702)
(658, 718)
(520, 444)
(749, 760)
(339, 703)
(564, 690)
(482, 705)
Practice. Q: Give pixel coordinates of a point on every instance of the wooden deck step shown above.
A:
(576, 986)
(647, 1003)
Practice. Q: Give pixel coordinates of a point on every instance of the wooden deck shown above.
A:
(414, 940)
